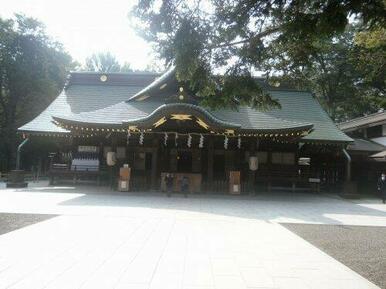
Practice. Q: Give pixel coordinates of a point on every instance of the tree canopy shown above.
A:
(346, 76)
(33, 69)
(237, 38)
(105, 62)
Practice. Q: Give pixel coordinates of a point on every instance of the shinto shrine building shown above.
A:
(156, 125)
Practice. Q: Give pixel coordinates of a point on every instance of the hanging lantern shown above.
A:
(176, 139)
(128, 137)
(189, 141)
(253, 163)
(239, 142)
(111, 159)
(141, 137)
(201, 143)
(166, 139)
(226, 142)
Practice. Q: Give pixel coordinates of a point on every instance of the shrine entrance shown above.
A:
(184, 161)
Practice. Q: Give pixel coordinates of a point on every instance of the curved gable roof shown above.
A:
(88, 102)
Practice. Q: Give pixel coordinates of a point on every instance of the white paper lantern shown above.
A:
(111, 159)
(253, 163)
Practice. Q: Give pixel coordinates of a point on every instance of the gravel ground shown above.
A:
(363, 249)
(10, 221)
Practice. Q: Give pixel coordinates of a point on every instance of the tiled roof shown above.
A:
(380, 140)
(365, 146)
(104, 103)
(84, 93)
(363, 121)
(380, 155)
(133, 111)
(155, 84)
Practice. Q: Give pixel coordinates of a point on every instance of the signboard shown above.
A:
(314, 180)
(87, 149)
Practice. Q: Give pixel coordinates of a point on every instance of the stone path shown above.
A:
(150, 241)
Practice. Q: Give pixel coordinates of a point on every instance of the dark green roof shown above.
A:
(370, 120)
(102, 103)
(365, 145)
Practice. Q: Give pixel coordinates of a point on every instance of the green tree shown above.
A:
(233, 37)
(107, 62)
(126, 67)
(104, 62)
(346, 77)
(370, 60)
(33, 69)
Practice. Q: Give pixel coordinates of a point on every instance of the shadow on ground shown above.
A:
(11, 221)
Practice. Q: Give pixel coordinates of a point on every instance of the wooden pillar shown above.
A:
(210, 162)
(173, 160)
(229, 161)
(251, 174)
(114, 141)
(269, 165)
(154, 164)
(114, 170)
(196, 160)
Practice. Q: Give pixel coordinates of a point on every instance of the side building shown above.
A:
(156, 125)
(368, 151)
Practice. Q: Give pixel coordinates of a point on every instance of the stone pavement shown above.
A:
(103, 240)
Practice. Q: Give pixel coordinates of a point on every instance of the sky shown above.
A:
(87, 26)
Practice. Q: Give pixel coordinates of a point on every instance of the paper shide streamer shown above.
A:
(201, 143)
(141, 137)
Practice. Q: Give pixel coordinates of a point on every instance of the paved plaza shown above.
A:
(101, 239)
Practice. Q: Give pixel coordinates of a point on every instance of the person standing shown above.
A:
(185, 186)
(382, 187)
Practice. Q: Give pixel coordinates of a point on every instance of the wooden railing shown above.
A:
(79, 172)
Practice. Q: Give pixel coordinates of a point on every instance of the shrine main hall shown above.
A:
(152, 125)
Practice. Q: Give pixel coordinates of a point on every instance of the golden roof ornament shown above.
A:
(181, 117)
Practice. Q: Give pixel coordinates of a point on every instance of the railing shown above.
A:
(77, 172)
